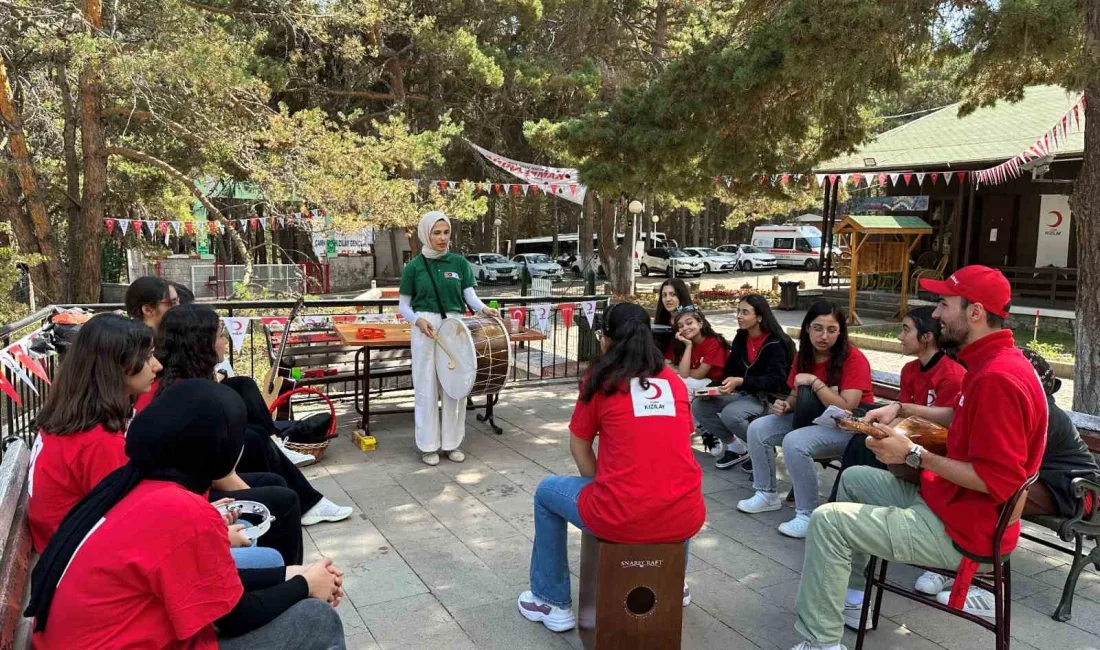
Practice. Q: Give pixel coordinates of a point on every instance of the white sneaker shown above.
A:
(978, 602)
(430, 459)
(325, 510)
(931, 583)
(760, 502)
(299, 459)
(797, 527)
(806, 645)
(455, 455)
(852, 614)
(554, 618)
(687, 595)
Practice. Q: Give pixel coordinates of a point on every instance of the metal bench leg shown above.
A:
(1080, 560)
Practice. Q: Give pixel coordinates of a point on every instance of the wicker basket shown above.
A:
(315, 449)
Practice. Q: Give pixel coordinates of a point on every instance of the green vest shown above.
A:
(452, 275)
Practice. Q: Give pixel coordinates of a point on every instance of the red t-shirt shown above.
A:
(855, 373)
(711, 352)
(753, 345)
(1000, 426)
(155, 573)
(648, 486)
(938, 385)
(145, 399)
(63, 470)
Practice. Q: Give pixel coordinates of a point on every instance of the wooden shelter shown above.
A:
(880, 244)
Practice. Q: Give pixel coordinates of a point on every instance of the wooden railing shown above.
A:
(1053, 286)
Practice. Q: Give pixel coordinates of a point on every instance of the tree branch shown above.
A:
(211, 209)
(367, 94)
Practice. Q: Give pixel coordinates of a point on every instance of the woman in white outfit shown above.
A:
(436, 283)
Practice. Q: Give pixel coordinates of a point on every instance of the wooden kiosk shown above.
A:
(879, 244)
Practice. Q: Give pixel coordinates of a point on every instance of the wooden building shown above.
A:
(1022, 226)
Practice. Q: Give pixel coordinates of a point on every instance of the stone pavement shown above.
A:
(435, 557)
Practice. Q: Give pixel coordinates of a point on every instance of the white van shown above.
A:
(791, 245)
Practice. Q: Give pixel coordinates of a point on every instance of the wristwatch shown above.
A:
(912, 459)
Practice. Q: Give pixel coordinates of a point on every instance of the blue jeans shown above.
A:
(555, 506)
(256, 557)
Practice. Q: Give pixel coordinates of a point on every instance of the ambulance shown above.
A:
(791, 245)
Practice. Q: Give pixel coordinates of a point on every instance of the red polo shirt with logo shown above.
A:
(855, 373)
(1000, 427)
(648, 486)
(937, 385)
(710, 351)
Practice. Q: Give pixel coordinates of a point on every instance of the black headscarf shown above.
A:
(192, 434)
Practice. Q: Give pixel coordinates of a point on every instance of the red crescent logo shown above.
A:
(237, 325)
(656, 391)
(1058, 222)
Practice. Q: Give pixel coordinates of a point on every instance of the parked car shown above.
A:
(491, 267)
(539, 265)
(749, 257)
(575, 267)
(713, 261)
(671, 261)
(791, 245)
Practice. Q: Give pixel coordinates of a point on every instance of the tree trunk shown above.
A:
(1086, 203)
(84, 265)
(587, 221)
(616, 258)
(72, 168)
(46, 276)
(557, 227)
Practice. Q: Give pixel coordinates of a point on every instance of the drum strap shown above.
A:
(435, 288)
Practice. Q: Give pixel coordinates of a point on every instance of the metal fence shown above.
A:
(565, 352)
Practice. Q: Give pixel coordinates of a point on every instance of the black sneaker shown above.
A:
(710, 443)
(747, 466)
(729, 459)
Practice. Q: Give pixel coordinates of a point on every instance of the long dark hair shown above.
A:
(146, 290)
(185, 344)
(768, 322)
(664, 316)
(90, 388)
(705, 329)
(632, 354)
(837, 354)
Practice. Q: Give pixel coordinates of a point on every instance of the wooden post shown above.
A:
(853, 318)
(903, 305)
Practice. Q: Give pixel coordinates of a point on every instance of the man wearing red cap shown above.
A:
(995, 442)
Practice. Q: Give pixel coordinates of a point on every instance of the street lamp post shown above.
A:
(497, 222)
(653, 238)
(635, 208)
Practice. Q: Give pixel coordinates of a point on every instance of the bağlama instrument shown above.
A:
(473, 356)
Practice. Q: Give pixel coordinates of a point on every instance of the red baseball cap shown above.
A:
(978, 284)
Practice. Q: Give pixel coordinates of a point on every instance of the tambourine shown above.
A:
(253, 510)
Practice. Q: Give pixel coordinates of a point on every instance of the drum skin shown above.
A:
(482, 353)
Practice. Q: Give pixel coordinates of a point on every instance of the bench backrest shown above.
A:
(886, 386)
(16, 553)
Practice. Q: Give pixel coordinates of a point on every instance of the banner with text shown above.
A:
(1054, 229)
(559, 181)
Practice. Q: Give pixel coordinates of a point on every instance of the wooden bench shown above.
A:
(1079, 530)
(16, 556)
(314, 348)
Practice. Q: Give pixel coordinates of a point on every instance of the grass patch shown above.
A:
(1054, 346)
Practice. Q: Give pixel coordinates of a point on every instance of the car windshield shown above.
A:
(815, 242)
(676, 252)
(539, 259)
(494, 259)
(708, 251)
(749, 249)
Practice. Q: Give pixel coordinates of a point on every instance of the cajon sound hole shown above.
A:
(640, 601)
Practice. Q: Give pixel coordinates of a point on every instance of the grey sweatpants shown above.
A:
(310, 624)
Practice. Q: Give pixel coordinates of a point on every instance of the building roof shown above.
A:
(943, 140)
(883, 224)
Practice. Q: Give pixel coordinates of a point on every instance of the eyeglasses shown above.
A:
(820, 329)
(680, 310)
(171, 302)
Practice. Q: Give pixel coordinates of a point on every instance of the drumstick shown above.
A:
(450, 357)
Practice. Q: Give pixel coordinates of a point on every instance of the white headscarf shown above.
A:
(424, 231)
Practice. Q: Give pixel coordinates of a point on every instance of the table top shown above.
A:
(349, 336)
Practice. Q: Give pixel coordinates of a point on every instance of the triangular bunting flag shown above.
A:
(785, 179)
(856, 178)
(573, 190)
(843, 178)
(535, 190)
(553, 189)
(882, 179)
(163, 226)
(189, 227)
(894, 178)
(124, 225)
(176, 228)
(907, 178)
(110, 223)
(947, 176)
(514, 189)
(11, 364)
(961, 176)
(22, 357)
(9, 390)
(451, 184)
(920, 179)
(211, 227)
(525, 188)
(820, 178)
(442, 185)
(935, 176)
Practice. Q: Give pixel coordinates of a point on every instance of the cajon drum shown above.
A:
(631, 596)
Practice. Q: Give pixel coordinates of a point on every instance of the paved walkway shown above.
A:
(435, 557)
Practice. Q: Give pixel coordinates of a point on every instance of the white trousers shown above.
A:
(438, 428)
